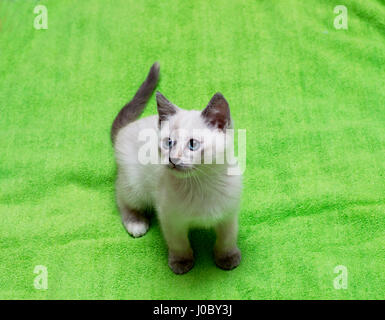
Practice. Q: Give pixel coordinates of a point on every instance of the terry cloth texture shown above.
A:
(311, 98)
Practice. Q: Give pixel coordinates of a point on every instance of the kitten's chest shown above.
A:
(202, 204)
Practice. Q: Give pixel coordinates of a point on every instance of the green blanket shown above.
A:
(310, 96)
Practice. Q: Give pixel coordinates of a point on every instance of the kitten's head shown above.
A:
(191, 140)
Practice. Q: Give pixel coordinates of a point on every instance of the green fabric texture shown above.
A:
(311, 98)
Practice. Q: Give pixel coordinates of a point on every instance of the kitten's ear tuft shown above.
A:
(217, 112)
(165, 107)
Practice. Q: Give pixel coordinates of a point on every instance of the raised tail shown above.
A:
(133, 109)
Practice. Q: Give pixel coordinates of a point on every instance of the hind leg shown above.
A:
(135, 222)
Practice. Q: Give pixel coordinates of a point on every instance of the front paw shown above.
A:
(179, 264)
(228, 260)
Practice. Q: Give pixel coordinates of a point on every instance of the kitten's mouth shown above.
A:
(179, 167)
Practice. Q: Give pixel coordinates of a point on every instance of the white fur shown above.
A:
(136, 229)
(200, 200)
(205, 196)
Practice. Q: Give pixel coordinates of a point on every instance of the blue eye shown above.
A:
(168, 143)
(193, 144)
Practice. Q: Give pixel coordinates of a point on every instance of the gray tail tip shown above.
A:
(156, 66)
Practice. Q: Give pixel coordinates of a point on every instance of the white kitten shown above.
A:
(185, 190)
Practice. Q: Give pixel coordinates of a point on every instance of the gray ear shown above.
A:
(217, 112)
(165, 107)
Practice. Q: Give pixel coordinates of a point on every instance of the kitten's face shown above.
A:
(190, 140)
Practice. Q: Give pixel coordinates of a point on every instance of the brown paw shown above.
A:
(180, 265)
(228, 260)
